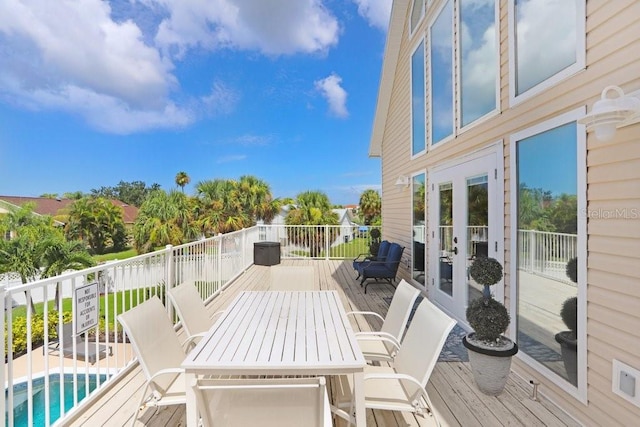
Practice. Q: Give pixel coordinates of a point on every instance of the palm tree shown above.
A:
(256, 199)
(370, 206)
(221, 207)
(60, 255)
(182, 179)
(97, 221)
(312, 208)
(163, 219)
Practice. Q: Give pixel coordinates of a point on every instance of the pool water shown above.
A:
(21, 409)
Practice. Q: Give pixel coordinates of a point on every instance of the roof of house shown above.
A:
(389, 63)
(51, 207)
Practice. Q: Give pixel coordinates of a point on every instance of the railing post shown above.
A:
(3, 296)
(219, 261)
(327, 243)
(169, 278)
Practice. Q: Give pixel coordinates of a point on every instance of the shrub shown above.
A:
(569, 313)
(488, 318)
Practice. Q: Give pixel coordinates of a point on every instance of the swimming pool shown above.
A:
(20, 409)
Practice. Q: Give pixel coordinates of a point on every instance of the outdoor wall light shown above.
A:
(608, 114)
(402, 182)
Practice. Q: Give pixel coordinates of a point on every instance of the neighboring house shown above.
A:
(56, 207)
(478, 126)
(345, 220)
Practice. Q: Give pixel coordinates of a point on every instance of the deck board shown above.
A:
(456, 400)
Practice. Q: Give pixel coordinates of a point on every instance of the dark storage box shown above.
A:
(266, 253)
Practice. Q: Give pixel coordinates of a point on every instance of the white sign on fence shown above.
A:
(86, 298)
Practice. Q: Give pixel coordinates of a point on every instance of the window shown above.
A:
(550, 245)
(417, 12)
(418, 127)
(441, 69)
(548, 39)
(479, 60)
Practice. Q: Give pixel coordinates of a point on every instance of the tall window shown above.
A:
(550, 241)
(549, 41)
(441, 69)
(479, 56)
(418, 100)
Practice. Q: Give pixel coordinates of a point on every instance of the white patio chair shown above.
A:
(191, 310)
(278, 402)
(402, 386)
(293, 278)
(384, 344)
(159, 353)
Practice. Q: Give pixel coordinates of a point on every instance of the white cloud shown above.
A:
(231, 158)
(376, 12)
(254, 140)
(272, 27)
(221, 100)
(335, 95)
(72, 55)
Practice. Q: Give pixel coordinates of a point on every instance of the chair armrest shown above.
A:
(363, 256)
(377, 336)
(191, 342)
(415, 399)
(367, 313)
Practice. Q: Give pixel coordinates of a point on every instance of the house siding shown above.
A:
(613, 184)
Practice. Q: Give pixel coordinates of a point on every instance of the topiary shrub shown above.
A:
(488, 318)
(375, 241)
(569, 314)
(572, 270)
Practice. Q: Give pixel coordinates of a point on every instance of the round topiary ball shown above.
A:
(375, 233)
(569, 313)
(488, 318)
(572, 270)
(486, 271)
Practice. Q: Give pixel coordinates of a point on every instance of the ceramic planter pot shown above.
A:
(490, 364)
(569, 349)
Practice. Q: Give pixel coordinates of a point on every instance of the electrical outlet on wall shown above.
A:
(625, 381)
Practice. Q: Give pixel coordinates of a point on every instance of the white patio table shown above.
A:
(279, 333)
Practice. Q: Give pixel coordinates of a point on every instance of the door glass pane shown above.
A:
(547, 249)
(446, 238)
(419, 231)
(477, 227)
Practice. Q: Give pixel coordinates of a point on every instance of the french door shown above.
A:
(466, 220)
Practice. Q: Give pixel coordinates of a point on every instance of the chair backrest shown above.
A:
(395, 322)
(263, 402)
(190, 308)
(293, 278)
(423, 343)
(154, 341)
(394, 256)
(383, 250)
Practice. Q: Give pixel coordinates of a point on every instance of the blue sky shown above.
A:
(95, 92)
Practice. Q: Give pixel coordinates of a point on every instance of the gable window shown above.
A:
(478, 60)
(441, 69)
(418, 127)
(548, 43)
(417, 12)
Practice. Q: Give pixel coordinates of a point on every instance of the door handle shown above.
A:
(455, 250)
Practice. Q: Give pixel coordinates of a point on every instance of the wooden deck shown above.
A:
(455, 398)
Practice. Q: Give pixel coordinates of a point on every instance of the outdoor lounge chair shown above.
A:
(384, 344)
(293, 278)
(159, 352)
(85, 349)
(402, 386)
(383, 250)
(191, 310)
(385, 270)
(282, 402)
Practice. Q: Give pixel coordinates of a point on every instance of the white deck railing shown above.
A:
(545, 253)
(120, 285)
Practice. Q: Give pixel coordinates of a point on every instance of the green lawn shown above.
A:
(115, 255)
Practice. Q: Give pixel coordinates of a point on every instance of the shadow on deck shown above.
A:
(455, 398)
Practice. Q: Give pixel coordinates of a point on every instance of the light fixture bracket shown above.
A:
(610, 113)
